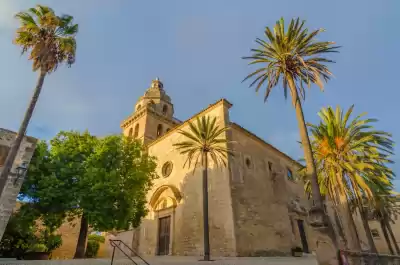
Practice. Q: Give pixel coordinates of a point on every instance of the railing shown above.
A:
(365, 258)
(117, 244)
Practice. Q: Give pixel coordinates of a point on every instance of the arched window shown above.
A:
(165, 109)
(159, 130)
(130, 132)
(136, 130)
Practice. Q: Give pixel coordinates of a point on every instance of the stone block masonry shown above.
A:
(13, 186)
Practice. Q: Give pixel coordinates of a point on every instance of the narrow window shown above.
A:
(270, 166)
(248, 163)
(165, 109)
(290, 175)
(136, 130)
(159, 130)
(130, 132)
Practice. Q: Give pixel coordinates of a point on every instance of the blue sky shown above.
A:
(195, 47)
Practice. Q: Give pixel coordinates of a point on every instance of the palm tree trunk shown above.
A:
(353, 227)
(385, 234)
(21, 133)
(83, 232)
(364, 218)
(311, 169)
(205, 209)
(389, 228)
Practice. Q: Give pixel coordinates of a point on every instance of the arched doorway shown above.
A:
(163, 202)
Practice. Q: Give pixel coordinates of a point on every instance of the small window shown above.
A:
(165, 109)
(168, 130)
(248, 162)
(136, 130)
(269, 166)
(166, 169)
(290, 175)
(130, 132)
(159, 130)
(375, 233)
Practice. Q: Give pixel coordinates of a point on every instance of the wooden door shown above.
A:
(164, 230)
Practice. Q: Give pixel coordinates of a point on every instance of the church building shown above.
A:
(256, 205)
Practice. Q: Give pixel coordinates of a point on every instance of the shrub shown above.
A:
(92, 248)
(98, 238)
(38, 248)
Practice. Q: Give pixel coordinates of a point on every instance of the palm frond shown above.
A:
(204, 137)
(290, 54)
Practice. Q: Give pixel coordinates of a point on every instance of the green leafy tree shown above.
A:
(50, 41)
(18, 236)
(204, 140)
(295, 58)
(351, 158)
(102, 181)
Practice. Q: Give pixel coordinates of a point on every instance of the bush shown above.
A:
(92, 248)
(98, 238)
(38, 248)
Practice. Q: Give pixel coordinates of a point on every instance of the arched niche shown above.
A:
(165, 192)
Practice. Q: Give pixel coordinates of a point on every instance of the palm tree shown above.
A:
(50, 40)
(294, 57)
(351, 160)
(203, 140)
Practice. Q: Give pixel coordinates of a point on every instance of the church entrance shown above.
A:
(303, 237)
(164, 230)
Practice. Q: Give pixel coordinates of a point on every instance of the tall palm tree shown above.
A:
(50, 41)
(204, 140)
(294, 56)
(351, 160)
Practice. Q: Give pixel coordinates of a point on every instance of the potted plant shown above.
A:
(37, 252)
(297, 252)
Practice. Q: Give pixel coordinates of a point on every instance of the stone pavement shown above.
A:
(307, 260)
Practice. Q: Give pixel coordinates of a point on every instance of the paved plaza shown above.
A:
(309, 260)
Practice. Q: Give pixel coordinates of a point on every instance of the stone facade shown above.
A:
(11, 190)
(256, 205)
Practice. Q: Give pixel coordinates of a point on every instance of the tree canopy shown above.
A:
(104, 179)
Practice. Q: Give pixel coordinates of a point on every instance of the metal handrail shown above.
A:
(362, 257)
(113, 243)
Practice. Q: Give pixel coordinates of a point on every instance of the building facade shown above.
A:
(13, 186)
(256, 205)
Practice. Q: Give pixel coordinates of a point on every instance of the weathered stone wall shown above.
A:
(11, 190)
(187, 224)
(260, 196)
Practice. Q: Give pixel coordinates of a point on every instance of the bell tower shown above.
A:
(152, 116)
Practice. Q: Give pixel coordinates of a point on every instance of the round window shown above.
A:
(166, 169)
